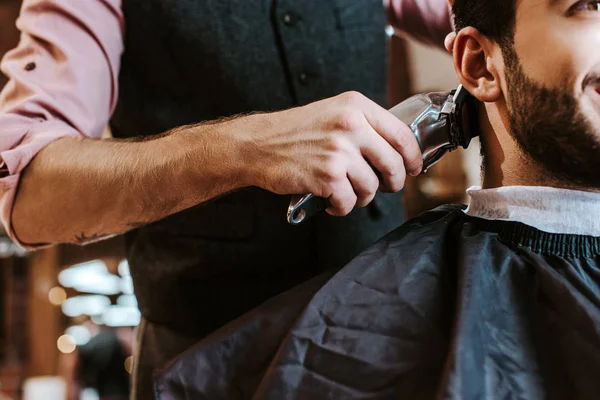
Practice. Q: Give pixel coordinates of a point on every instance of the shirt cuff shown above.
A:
(428, 21)
(39, 135)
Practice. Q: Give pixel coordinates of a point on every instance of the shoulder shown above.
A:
(433, 222)
(421, 241)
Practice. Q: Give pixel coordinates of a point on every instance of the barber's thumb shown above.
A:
(449, 41)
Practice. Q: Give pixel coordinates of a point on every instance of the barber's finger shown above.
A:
(449, 42)
(387, 162)
(398, 135)
(342, 201)
(364, 182)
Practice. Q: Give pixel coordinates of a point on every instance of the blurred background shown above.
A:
(68, 314)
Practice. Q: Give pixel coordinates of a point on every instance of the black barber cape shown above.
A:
(447, 306)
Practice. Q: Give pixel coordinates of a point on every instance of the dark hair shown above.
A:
(496, 19)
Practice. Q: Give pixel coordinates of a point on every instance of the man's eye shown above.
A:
(586, 5)
(593, 6)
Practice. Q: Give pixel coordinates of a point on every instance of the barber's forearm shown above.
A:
(343, 148)
(78, 190)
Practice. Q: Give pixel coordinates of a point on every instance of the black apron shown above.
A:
(188, 61)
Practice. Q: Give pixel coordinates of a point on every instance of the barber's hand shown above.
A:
(343, 149)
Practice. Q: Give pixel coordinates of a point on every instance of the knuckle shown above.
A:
(404, 138)
(346, 209)
(346, 204)
(400, 139)
(332, 171)
(389, 171)
(391, 167)
(397, 184)
(372, 186)
(364, 201)
(335, 143)
(362, 193)
(398, 166)
(396, 187)
(349, 120)
(352, 97)
(375, 187)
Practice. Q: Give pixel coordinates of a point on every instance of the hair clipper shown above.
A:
(441, 122)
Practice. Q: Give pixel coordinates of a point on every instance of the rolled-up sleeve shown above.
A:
(62, 82)
(426, 20)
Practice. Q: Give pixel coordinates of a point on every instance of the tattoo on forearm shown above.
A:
(84, 238)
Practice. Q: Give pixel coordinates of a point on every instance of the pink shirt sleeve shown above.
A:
(63, 74)
(62, 81)
(426, 20)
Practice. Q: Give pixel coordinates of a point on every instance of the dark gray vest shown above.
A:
(188, 61)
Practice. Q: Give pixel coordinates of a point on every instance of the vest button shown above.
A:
(303, 78)
(290, 19)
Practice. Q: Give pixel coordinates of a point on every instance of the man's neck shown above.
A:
(505, 163)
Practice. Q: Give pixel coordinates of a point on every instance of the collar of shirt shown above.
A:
(548, 209)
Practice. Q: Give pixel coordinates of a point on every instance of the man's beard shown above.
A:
(551, 130)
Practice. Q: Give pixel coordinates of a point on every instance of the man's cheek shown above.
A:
(546, 53)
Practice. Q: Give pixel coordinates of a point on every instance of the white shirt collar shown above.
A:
(545, 208)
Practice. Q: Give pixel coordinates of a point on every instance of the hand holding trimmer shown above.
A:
(441, 122)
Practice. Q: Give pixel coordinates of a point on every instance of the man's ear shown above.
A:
(476, 61)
